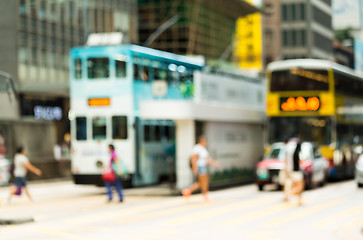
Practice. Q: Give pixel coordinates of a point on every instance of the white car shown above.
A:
(359, 171)
(314, 166)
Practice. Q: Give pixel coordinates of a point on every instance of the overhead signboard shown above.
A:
(249, 41)
(101, 39)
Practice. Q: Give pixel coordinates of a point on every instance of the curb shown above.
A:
(14, 221)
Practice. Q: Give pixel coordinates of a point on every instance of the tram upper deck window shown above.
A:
(173, 74)
(120, 69)
(81, 128)
(298, 79)
(98, 68)
(99, 128)
(119, 127)
(77, 68)
(144, 73)
(160, 74)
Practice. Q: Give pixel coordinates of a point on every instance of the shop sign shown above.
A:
(48, 112)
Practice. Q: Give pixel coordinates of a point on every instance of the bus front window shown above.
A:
(314, 129)
(298, 79)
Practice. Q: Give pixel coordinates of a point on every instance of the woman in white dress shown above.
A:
(200, 160)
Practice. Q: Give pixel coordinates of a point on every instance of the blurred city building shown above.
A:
(298, 29)
(36, 36)
(202, 28)
(343, 55)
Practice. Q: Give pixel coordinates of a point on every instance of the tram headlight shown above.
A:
(70, 115)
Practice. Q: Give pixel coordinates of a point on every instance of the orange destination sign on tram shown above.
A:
(97, 102)
(299, 104)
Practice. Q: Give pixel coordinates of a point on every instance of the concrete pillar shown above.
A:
(185, 140)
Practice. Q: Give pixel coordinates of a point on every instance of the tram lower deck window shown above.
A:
(119, 127)
(99, 128)
(81, 128)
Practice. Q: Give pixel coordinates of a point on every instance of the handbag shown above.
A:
(109, 176)
(18, 190)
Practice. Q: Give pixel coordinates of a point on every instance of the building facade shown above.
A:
(298, 29)
(271, 31)
(201, 27)
(36, 36)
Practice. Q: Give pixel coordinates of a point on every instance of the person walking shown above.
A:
(113, 167)
(200, 160)
(296, 175)
(22, 165)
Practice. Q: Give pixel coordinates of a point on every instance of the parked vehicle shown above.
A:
(314, 166)
(359, 171)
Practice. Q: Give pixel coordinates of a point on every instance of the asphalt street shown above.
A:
(66, 211)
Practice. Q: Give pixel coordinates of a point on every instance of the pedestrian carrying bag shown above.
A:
(109, 176)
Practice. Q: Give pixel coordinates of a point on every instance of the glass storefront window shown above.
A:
(119, 127)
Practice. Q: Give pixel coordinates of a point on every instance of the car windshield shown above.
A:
(275, 153)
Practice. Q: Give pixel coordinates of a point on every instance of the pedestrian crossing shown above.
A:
(256, 215)
(267, 209)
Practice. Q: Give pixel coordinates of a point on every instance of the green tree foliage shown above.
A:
(344, 34)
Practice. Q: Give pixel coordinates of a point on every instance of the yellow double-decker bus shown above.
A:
(318, 101)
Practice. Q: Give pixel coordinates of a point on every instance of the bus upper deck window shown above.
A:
(120, 69)
(98, 68)
(119, 127)
(99, 128)
(78, 68)
(81, 128)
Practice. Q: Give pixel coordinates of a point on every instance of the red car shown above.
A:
(314, 166)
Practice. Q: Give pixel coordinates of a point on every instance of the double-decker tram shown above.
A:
(319, 101)
(107, 84)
